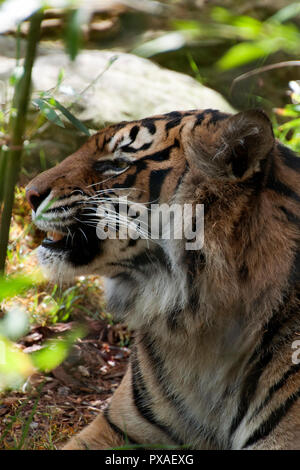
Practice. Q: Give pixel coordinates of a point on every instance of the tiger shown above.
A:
(214, 362)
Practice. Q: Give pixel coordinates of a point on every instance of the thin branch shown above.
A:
(265, 68)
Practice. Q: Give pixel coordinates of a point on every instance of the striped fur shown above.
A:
(211, 366)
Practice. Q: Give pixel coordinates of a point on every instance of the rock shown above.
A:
(34, 425)
(83, 371)
(130, 88)
(63, 391)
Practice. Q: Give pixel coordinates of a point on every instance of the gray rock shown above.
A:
(131, 88)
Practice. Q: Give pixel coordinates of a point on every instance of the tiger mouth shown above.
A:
(76, 238)
(70, 233)
(56, 241)
(78, 242)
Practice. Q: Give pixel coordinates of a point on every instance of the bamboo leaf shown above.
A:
(76, 123)
(48, 111)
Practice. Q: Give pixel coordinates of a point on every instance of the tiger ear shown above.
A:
(245, 140)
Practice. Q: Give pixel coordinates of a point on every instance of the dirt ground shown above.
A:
(51, 408)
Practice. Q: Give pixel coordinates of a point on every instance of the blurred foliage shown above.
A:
(15, 365)
(60, 306)
(244, 41)
(11, 286)
(256, 39)
(289, 131)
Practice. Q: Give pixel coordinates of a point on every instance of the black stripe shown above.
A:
(277, 386)
(290, 158)
(143, 401)
(159, 156)
(179, 181)
(249, 389)
(129, 181)
(105, 141)
(278, 186)
(177, 115)
(132, 242)
(146, 257)
(175, 399)
(173, 123)
(131, 178)
(294, 275)
(215, 117)
(244, 272)
(274, 419)
(149, 124)
(284, 190)
(134, 132)
(123, 276)
(292, 218)
(156, 180)
(199, 119)
(261, 357)
(128, 149)
(173, 319)
(117, 430)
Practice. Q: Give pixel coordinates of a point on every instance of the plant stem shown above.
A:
(18, 123)
(3, 158)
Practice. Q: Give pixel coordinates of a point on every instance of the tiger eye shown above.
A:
(121, 163)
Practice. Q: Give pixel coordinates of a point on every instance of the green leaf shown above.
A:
(221, 15)
(11, 286)
(76, 123)
(241, 54)
(15, 365)
(48, 112)
(290, 125)
(61, 75)
(194, 67)
(249, 27)
(73, 37)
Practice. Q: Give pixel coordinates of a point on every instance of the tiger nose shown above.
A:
(35, 198)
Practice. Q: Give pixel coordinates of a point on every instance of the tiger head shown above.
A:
(230, 164)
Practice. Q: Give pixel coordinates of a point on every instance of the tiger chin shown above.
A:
(213, 364)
